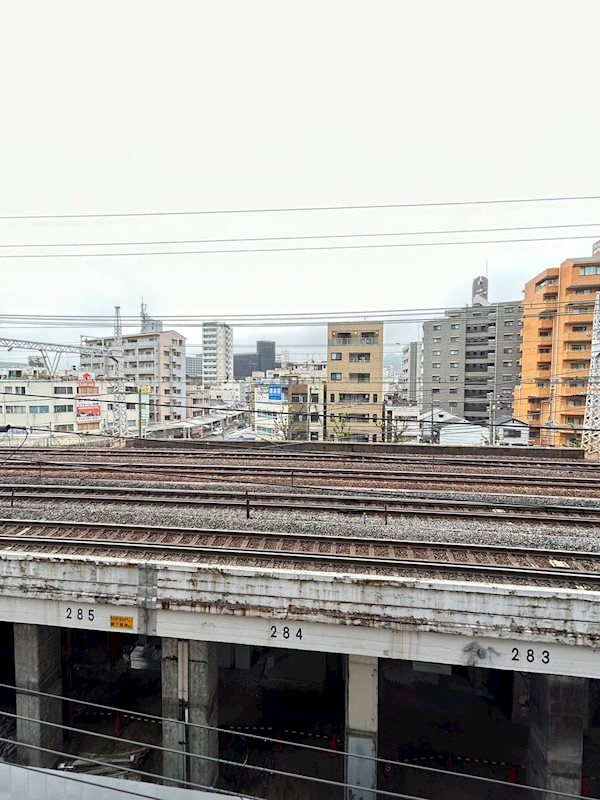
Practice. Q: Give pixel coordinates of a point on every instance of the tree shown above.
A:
(341, 430)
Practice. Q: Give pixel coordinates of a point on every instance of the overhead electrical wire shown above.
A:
(244, 250)
(262, 738)
(296, 209)
(288, 238)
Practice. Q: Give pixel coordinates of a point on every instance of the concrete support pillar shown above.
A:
(190, 693)
(361, 726)
(557, 719)
(38, 666)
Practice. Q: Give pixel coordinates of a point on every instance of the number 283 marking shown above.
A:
(531, 655)
(285, 632)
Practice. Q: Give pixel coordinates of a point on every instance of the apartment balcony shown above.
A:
(358, 341)
(573, 391)
(540, 394)
(578, 336)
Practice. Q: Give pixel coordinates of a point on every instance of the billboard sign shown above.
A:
(275, 392)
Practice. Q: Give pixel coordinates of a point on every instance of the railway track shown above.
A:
(366, 476)
(432, 459)
(290, 550)
(380, 503)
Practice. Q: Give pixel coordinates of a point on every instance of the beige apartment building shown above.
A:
(355, 381)
(154, 359)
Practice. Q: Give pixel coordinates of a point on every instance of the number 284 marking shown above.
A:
(530, 655)
(285, 632)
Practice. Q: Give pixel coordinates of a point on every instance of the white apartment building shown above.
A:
(217, 353)
(64, 406)
(155, 359)
(289, 409)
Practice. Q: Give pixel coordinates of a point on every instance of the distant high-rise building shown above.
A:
(266, 355)
(217, 352)
(471, 358)
(410, 373)
(244, 364)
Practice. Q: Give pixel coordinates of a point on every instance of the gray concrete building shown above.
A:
(471, 358)
(244, 364)
(266, 355)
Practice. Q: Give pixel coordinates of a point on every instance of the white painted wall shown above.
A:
(19, 783)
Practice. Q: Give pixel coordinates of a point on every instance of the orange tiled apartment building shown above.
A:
(558, 311)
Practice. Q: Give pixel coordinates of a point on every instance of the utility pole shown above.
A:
(119, 407)
(590, 439)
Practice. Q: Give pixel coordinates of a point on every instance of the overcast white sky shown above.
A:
(136, 106)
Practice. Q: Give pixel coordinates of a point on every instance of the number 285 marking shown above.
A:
(285, 632)
(80, 614)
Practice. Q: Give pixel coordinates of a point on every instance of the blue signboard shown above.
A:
(275, 393)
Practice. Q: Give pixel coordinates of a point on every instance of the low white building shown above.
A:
(402, 424)
(511, 432)
(65, 405)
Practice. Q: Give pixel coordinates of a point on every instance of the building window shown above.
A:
(332, 398)
(453, 391)
(435, 378)
(15, 409)
(507, 337)
(437, 340)
(454, 365)
(336, 356)
(508, 323)
(454, 338)
(39, 409)
(314, 398)
(436, 365)
(594, 269)
(507, 363)
(336, 376)
(19, 390)
(437, 327)
(63, 390)
(63, 409)
(360, 358)
(454, 378)
(314, 436)
(455, 326)
(453, 405)
(435, 391)
(64, 428)
(436, 352)
(314, 417)
(374, 398)
(579, 328)
(507, 350)
(453, 352)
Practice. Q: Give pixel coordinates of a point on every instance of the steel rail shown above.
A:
(20, 532)
(331, 503)
(408, 459)
(310, 455)
(196, 470)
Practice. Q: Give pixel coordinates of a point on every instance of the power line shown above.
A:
(302, 236)
(260, 738)
(245, 250)
(293, 209)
